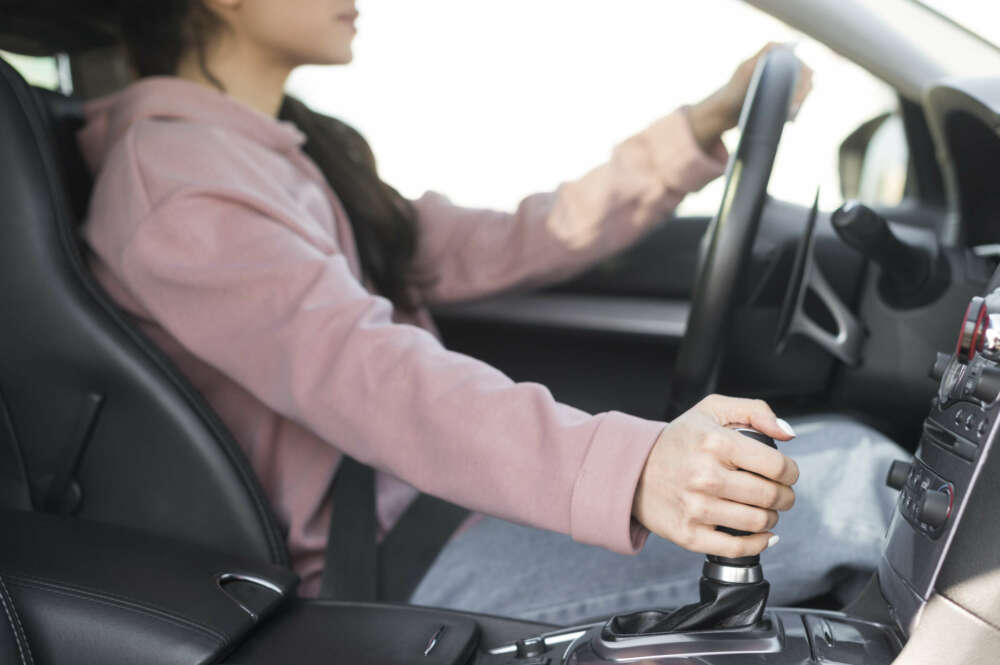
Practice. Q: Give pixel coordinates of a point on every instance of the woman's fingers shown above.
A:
(720, 512)
(740, 411)
(744, 453)
(753, 490)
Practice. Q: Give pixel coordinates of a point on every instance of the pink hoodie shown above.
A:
(212, 228)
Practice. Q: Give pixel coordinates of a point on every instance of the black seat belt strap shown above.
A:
(407, 552)
(358, 570)
(351, 564)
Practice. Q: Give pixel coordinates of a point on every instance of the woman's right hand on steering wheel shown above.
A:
(700, 475)
(721, 110)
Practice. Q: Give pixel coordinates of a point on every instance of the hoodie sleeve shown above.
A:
(238, 287)
(470, 253)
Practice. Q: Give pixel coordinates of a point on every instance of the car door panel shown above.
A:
(607, 338)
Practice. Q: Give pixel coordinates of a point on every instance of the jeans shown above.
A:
(831, 539)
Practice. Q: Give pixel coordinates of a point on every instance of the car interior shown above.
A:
(133, 529)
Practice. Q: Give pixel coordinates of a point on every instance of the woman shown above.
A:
(293, 297)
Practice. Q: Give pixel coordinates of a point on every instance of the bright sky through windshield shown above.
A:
(980, 16)
(488, 102)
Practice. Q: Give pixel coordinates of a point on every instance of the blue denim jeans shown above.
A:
(831, 539)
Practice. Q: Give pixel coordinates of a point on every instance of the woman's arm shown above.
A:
(242, 290)
(469, 253)
(473, 253)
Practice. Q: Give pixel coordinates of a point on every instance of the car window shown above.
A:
(488, 102)
(36, 70)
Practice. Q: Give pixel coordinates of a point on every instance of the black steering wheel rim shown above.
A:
(726, 246)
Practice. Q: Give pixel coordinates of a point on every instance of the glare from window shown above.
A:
(981, 17)
(489, 102)
(40, 71)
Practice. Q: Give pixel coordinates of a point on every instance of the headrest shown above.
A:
(44, 27)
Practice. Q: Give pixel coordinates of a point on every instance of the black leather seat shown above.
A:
(14, 646)
(75, 376)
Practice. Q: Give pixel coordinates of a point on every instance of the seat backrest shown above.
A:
(72, 366)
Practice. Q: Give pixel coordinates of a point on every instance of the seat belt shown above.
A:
(358, 570)
(407, 552)
(15, 493)
(350, 561)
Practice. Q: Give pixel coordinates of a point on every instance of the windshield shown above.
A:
(978, 17)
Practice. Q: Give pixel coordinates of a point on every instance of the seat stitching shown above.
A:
(118, 602)
(15, 623)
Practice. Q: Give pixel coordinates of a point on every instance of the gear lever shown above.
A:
(742, 569)
(733, 592)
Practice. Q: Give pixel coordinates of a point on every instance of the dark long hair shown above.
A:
(158, 32)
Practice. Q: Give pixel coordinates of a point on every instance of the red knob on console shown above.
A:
(970, 336)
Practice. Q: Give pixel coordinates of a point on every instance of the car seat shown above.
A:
(107, 428)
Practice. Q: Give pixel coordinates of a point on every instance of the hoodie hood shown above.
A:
(109, 118)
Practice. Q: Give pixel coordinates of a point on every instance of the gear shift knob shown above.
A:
(714, 567)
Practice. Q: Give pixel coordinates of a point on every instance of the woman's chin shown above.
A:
(328, 57)
(340, 55)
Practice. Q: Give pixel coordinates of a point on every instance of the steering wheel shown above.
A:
(726, 245)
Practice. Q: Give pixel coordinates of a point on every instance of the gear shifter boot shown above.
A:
(722, 606)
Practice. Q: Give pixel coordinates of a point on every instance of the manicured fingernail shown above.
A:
(785, 427)
(772, 541)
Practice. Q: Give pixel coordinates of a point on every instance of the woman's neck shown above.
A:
(244, 73)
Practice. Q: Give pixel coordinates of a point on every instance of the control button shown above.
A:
(936, 507)
(936, 371)
(898, 472)
(988, 387)
(970, 420)
(959, 416)
(981, 429)
(951, 382)
(530, 647)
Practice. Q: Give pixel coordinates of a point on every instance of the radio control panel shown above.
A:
(926, 500)
(956, 441)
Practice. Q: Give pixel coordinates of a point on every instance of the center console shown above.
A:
(951, 474)
(931, 550)
(942, 549)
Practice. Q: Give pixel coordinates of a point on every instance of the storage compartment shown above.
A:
(107, 595)
(315, 632)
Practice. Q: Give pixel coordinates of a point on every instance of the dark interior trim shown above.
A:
(646, 317)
